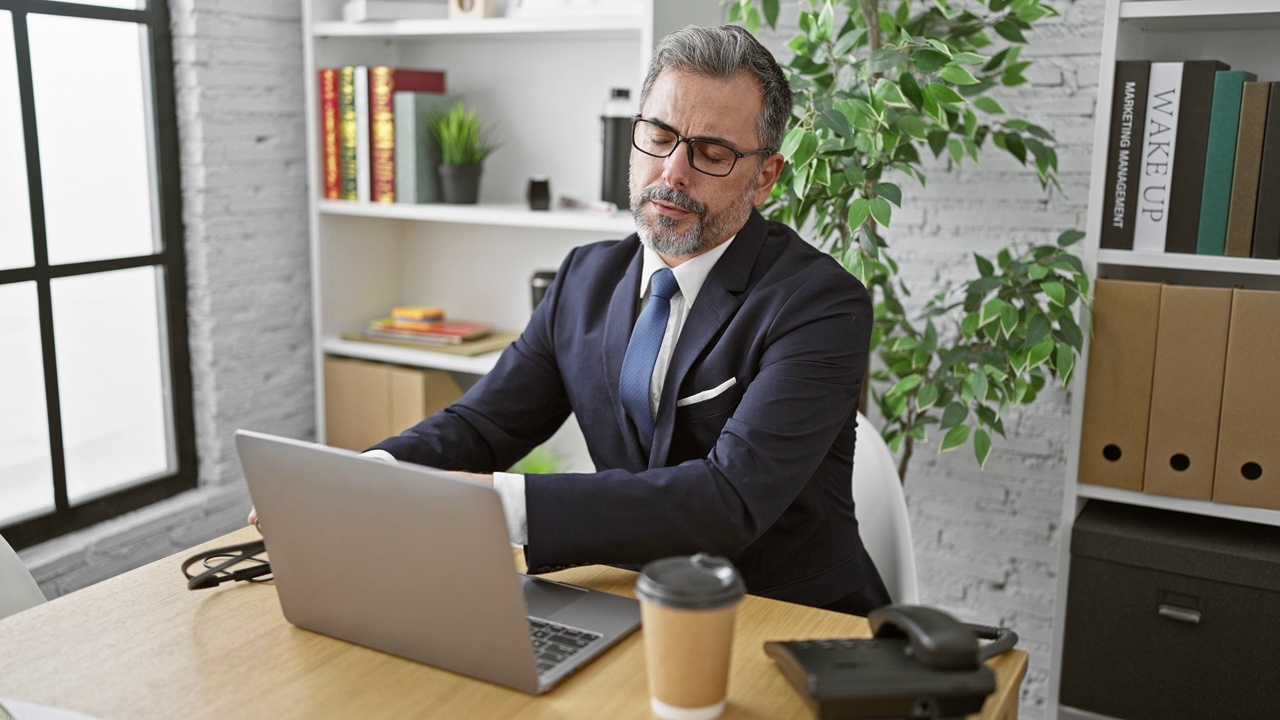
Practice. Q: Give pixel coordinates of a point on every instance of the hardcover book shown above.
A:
(416, 151)
(1128, 118)
(329, 159)
(384, 82)
(1159, 133)
(1215, 198)
(364, 184)
(1266, 222)
(1244, 179)
(347, 131)
(1191, 149)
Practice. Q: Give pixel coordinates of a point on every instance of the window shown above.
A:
(95, 385)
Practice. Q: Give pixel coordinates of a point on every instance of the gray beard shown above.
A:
(660, 235)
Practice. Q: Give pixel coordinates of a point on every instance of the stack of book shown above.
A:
(424, 325)
(1193, 164)
(374, 142)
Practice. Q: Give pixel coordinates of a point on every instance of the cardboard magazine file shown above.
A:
(1117, 400)
(367, 402)
(1248, 467)
(1186, 391)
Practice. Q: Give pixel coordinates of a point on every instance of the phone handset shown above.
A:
(938, 640)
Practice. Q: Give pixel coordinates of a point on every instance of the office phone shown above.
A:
(920, 664)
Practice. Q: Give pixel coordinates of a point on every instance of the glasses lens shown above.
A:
(653, 139)
(712, 158)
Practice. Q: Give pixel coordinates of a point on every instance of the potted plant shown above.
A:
(876, 86)
(464, 145)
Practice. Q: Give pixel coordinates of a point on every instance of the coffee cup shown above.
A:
(687, 609)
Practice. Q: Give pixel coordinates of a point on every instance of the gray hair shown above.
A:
(724, 52)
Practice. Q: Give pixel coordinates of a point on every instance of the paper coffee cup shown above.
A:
(687, 609)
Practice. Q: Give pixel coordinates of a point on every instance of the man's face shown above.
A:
(679, 211)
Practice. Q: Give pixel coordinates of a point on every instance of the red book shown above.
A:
(458, 330)
(384, 82)
(329, 169)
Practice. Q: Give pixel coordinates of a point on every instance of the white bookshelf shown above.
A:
(1244, 34)
(540, 83)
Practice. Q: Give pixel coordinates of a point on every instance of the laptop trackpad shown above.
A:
(543, 597)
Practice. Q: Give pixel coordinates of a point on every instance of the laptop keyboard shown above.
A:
(553, 644)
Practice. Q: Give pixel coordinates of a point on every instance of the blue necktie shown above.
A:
(642, 352)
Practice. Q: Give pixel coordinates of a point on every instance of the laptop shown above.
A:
(416, 562)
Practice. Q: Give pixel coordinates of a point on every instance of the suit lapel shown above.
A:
(617, 334)
(716, 304)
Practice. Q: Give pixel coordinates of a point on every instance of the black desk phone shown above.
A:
(921, 664)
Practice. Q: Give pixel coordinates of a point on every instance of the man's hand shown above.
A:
(486, 479)
(253, 515)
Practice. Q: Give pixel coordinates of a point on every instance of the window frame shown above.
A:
(171, 258)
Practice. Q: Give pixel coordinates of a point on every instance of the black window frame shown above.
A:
(66, 518)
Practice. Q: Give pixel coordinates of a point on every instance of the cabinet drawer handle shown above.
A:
(1181, 614)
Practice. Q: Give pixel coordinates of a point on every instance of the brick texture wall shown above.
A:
(986, 541)
(243, 158)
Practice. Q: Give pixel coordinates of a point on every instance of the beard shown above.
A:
(709, 229)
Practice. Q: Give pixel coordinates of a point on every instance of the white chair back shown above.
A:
(881, 508)
(18, 590)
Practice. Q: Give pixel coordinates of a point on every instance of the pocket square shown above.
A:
(707, 394)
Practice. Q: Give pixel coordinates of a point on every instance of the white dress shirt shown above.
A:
(690, 276)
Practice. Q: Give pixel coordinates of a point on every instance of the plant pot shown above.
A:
(460, 183)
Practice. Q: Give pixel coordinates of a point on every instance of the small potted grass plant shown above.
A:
(464, 145)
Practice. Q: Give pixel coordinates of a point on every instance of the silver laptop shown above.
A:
(416, 562)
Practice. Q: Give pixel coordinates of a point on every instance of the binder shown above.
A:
(1186, 391)
(1248, 466)
(1117, 400)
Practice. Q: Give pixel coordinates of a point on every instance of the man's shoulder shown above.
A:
(798, 257)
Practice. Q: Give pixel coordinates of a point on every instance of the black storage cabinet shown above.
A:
(1171, 615)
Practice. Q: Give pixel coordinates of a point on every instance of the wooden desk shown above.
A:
(141, 645)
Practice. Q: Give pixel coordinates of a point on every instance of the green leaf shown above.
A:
(912, 126)
(1056, 292)
(954, 414)
(926, 398)
(791, 142)
(889, 191)
(927, 60)
(905, 385)
(1037, 272)
(981, 446)
(958, 75)
(1009, 30)
(1065, 363)
(907, 83)
(969, 325)
(956, 148)
(770, 12)
(805, 152)
(985, 268)
(991, 311)
(976, 385)
(881, 211)
(944, 94)
(968, 58)
(884, 60)
(827, 21)
(1008, 320)
(1069, 238)
(954, 438)
(859, 209)
(1040, 353)
(989, 105)
(889, 92)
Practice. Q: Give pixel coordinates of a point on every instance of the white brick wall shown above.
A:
(243, 157)
(986, 541)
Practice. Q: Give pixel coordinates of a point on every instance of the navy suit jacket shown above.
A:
(760, 473)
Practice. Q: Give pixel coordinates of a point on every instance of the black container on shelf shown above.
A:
(616, 134)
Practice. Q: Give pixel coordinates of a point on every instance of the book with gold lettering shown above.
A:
(384, 82)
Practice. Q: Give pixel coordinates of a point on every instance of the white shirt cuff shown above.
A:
(379, 454)
(510, 487)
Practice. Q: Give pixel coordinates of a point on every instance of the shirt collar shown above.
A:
(690, 274)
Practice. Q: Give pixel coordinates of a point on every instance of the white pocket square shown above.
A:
(707, 394)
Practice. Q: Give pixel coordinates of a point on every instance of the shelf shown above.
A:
(619, 224)
(1199, 15)
(474, 364)
(587, 26)
(1194, 507)
(1186, 261)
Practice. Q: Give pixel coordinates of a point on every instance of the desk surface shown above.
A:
(141, 645)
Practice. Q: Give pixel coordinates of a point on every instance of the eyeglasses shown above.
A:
(709, 157)
(219, 561)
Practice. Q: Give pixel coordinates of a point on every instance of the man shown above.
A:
(725, 421)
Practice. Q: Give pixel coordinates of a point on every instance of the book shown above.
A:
(347, 131)
(417, 313)
(364, 183)
(330, 174)
(417, 153)
(448, 330)
(384, 82)
(1266, 222)
(1215, 198)
(1158, 148)
(1244, 179)
(490, 343)
(375, 10)
(1128, 117)
(1191, 147)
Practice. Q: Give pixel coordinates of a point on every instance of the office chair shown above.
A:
(18, 590)
(881, 508)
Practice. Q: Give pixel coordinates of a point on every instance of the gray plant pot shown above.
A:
(460, 183)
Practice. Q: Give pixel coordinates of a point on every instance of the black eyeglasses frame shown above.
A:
(688, 143)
